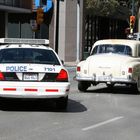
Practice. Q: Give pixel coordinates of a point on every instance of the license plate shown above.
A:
(30, 77)
(104, 78)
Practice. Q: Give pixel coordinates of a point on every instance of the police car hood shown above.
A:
(30, 68)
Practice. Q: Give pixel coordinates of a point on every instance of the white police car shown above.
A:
(29, 68)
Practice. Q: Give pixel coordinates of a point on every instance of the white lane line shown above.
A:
(102, 123)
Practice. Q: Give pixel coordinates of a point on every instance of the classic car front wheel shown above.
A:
(83, 85)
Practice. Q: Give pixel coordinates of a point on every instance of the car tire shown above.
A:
(135, 88)
(83, 85)
(62, 103)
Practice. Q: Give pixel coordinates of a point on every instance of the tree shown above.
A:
(133, 5)
(100, 7)
(114, 8)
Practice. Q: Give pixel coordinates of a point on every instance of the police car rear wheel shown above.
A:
(62, 103)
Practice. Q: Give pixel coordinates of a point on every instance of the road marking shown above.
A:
(102, 123)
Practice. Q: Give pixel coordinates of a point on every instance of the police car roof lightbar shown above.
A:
(24, 41)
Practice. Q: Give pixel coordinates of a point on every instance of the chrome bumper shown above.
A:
(106, 79)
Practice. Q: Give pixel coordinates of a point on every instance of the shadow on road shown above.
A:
(40, 106)
(115, 90)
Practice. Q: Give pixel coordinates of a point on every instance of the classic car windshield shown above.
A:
(109, 48)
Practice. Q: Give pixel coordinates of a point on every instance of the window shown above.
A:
(28, 55)
(108, 48)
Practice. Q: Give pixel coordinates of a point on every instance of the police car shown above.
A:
(29, 68)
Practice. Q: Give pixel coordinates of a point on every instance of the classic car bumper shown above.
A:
(106, 79)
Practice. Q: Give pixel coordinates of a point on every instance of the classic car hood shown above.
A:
(107, 64)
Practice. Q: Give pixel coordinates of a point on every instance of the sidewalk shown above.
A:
(71, 67)
(70, 64)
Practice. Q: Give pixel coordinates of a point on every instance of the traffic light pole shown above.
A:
(78, 32)
(132, 7)
(139, 20)
(57, 27)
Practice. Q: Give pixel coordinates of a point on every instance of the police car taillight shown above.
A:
(1, 76)
(62, 76)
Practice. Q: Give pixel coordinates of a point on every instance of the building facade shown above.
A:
(67, 29)
(13, 17)
(63, 24)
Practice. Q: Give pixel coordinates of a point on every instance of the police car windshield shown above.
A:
(28, 55)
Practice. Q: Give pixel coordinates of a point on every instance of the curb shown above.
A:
(70, 64)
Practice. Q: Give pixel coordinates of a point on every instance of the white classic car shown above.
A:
(111, 61)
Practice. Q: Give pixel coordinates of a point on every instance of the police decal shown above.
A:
(16, 68)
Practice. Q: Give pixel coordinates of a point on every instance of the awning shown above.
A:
(10, 9)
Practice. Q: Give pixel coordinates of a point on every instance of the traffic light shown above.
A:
(40, 16)
(132, 22)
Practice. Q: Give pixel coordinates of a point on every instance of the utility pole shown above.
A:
(139, 20)
(78, 32)
(57, 27)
